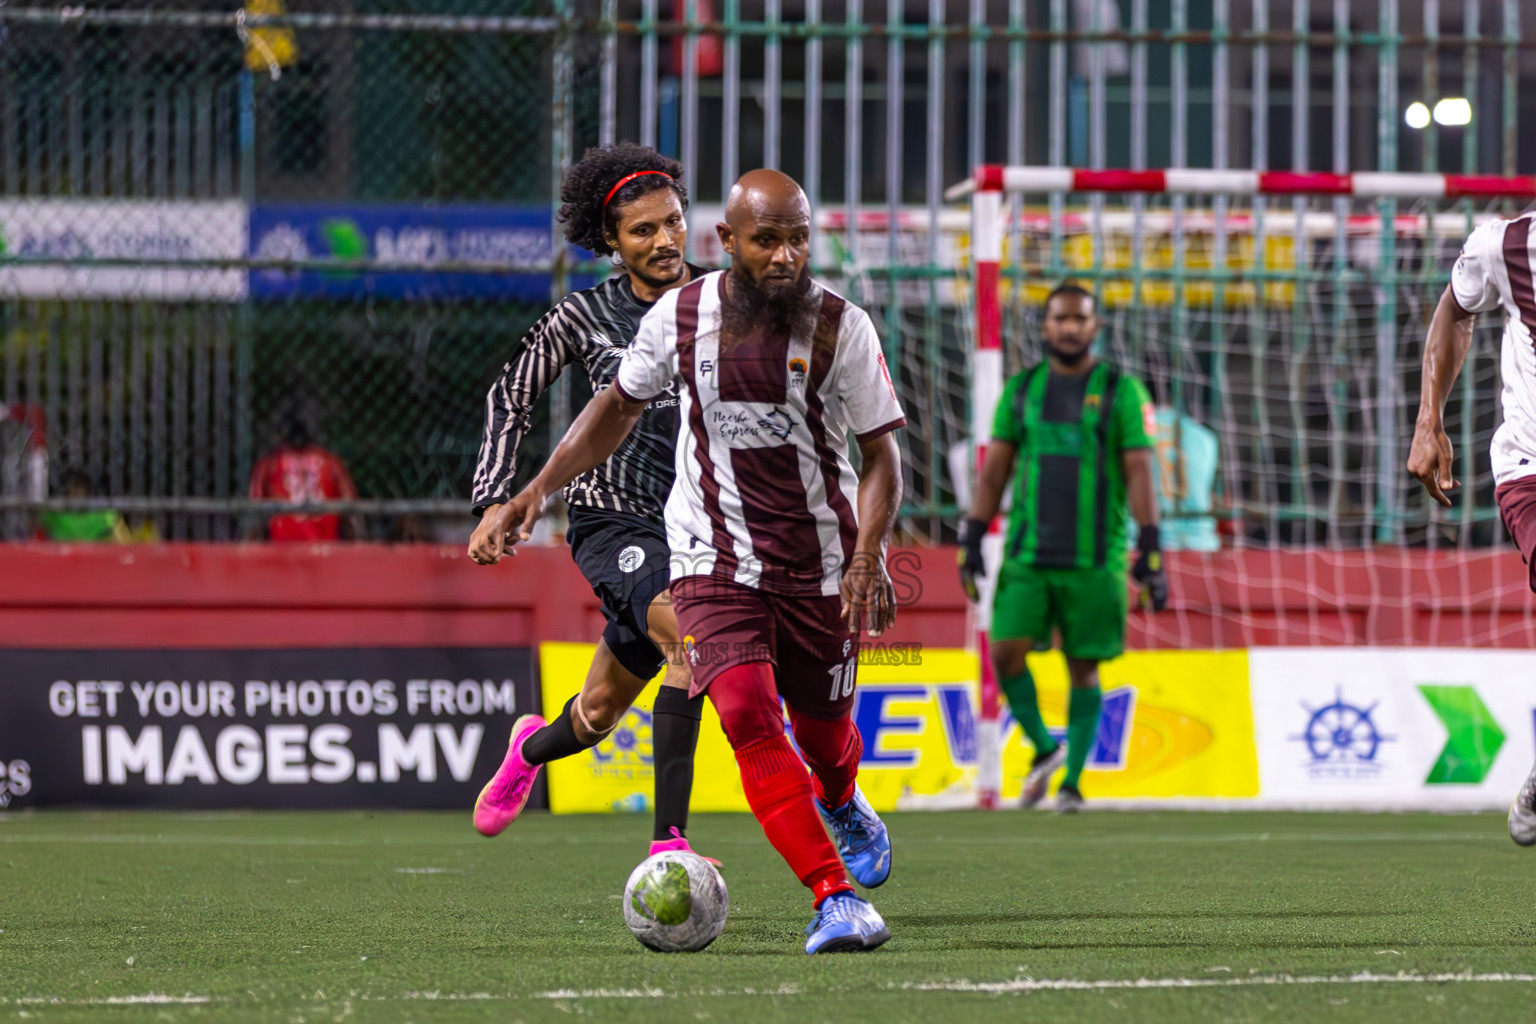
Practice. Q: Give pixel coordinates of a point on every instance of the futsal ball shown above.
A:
(675, 902)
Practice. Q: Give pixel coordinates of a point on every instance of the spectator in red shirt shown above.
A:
(299, 471)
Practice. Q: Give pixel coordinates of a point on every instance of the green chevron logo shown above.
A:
(1472, 735)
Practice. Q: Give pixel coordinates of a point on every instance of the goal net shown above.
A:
(1281, 338)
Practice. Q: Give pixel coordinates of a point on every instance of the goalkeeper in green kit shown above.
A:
(1076, 436)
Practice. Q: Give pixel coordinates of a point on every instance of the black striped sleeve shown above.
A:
(538, 362)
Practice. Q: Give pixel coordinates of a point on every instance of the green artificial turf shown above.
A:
(413, 917)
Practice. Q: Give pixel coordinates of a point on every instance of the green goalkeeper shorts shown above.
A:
(1087, 605)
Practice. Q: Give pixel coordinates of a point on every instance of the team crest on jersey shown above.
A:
(797, 373)
(1092, 401)
(778, 424)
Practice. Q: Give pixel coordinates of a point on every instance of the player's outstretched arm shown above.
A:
(540, 358)
(1430, 457)
(592, 438)
(869, 597)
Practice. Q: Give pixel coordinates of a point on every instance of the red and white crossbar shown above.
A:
(1199, 181)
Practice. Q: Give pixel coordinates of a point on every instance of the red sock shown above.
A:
(832, 747)
(780, 797)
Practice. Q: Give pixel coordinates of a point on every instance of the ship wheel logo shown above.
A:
(1342, 732)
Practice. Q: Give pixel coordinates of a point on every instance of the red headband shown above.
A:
(627, 179)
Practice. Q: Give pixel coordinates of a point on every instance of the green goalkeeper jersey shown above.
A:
(1069, 500)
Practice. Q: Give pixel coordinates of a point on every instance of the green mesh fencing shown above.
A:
(136, 147)
(211, 218)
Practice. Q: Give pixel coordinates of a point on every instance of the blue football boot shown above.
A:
(845, 924)
(861, 838)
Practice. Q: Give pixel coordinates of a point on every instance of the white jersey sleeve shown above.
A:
(863, 383)
(649, 363)
(1475, 278)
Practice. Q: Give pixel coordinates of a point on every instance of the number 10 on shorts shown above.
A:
(843, 677)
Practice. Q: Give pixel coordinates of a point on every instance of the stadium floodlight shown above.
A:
(1453, 110)
(1417, 115)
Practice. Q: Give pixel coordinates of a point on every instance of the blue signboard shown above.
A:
(416, 237)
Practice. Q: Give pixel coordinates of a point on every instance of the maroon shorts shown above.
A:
(1517, 507)
(815, 656)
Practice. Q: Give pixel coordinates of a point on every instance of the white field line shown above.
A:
(151, 999)
(1051, 985)
(1016, 985)
(1073, 985)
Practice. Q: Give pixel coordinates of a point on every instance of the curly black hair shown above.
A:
(587, 222)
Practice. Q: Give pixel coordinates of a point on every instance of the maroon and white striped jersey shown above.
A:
(1493, 270)
(764, 495)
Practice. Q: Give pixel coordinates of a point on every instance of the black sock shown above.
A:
(555, 740)
(674, 734)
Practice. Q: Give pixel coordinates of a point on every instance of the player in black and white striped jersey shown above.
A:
(626, 201)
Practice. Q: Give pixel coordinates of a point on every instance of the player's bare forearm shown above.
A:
(1137, 463)
(996, 468)
(1445, 349)
(879, 493)
(592, 438)
(868, 597)
(1430, 455)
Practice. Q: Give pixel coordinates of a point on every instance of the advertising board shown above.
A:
(258, 728)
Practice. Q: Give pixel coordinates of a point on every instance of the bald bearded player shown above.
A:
(778, 547)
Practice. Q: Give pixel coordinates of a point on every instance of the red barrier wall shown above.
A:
(345, 595)
(1381, 597)
(221, 595)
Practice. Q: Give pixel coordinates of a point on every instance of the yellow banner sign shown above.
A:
(1175, 724)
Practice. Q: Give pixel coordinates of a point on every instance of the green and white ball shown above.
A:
(675, 902)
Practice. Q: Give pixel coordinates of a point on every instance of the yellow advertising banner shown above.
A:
(1175, 724)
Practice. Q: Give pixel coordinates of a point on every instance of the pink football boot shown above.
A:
(502, 799)
(677, 842)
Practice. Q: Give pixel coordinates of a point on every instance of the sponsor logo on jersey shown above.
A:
(778, 424)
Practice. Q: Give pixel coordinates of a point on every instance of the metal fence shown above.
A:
(209, 217)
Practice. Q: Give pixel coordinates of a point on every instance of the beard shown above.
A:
(752, 311)
(1068, 357)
